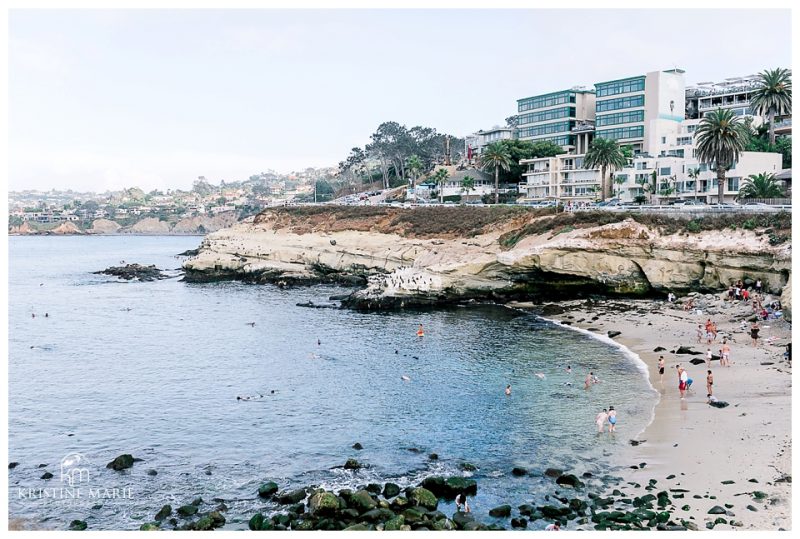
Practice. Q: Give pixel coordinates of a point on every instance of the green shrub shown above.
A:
(693, 226)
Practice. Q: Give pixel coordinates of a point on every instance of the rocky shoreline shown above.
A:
(513, 261)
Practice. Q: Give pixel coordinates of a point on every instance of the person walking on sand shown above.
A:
(725, 357)
(661, 369)
(601, 419)
(710, 383)
(612, 419)
(754, 329)
(700, 333)
(709, 357)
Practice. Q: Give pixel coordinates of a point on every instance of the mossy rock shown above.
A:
(395, 523)
(268, 489)
(149, 527)
(362, 501)
(187, 510)
(424, 498)
(323, 503)
(501, 511)
(78, 525)
(163, 513)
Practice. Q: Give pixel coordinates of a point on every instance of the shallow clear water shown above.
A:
(154, 369)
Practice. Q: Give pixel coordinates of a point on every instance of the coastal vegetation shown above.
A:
(761, 186)
(517, 222)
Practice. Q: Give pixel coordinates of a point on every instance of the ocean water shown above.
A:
(154, 369)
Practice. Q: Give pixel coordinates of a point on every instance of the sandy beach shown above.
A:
(723, 457)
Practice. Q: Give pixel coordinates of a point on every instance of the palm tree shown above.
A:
(496, 155)
(694, 174)
(606, 155)
(467, 184)
(619, 181)
(762, 185)
(414, 166)
(720, 137)
(773, 96)
(440, 178)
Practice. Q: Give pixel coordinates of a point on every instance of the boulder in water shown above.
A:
(122, 462)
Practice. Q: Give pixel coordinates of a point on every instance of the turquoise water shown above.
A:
(154, 369)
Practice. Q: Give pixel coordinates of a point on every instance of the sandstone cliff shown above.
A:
(398, 268)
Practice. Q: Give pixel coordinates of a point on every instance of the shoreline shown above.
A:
(718, 455)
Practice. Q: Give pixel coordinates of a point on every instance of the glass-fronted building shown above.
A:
(553, 116)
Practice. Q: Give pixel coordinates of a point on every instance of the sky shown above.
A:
(106, 99)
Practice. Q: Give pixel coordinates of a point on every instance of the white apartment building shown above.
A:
(473, 144)
(673, 155)
(561, 178)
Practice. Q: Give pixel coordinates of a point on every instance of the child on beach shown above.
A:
(682, 377)
(612, 419)
(661, 368)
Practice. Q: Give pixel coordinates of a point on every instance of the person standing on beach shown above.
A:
(710, 383)
(709, 357)
(612, 419)
(758, 286)
(661, 369)
(681, 381)
(601, 420)
(700, 333)
(754, 329)
(725, 357)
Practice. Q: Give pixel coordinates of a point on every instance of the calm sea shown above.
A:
(153, 369)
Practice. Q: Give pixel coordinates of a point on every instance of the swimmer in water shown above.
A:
(508, 389)
(405, 378)
(539, 375)
(569, 369)
(420, 331)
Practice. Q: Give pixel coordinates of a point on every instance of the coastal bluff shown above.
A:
(426, 256)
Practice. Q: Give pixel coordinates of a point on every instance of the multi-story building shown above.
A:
(562, 178)
(553, 116)
(733, 93)
(628, 110)
(473, 144)
(673, 156)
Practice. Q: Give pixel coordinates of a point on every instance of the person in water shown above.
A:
(601, 420)
(612, 419)
(508, 389)
(420, 331)
(461, 502)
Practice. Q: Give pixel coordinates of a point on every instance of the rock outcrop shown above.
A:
(104, 226)
(622, 258)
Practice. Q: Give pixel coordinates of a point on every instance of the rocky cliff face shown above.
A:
(625, 258)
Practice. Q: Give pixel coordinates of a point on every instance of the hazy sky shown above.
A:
(108, 99)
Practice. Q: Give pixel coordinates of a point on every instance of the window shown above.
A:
(546, 129)
(691, 128)
(543, 101)
(665, 171)
(733, 184)
(620, 103)
(544, 116)
(620, 87)
(684, 141)
(663, 140)
(620, 118)
(620, 133)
